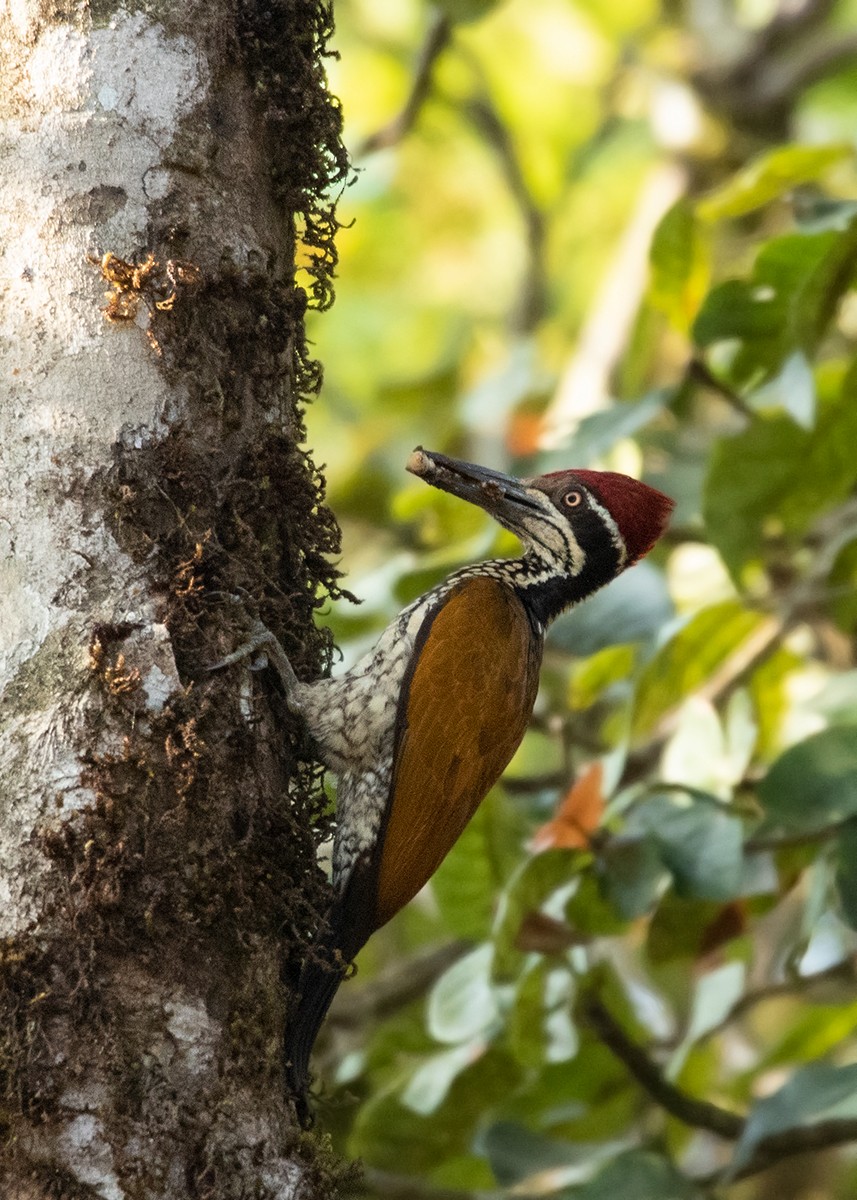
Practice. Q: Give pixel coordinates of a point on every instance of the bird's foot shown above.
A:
(261, 639)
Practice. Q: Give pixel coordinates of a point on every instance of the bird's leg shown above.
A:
(261, 638)
(350, 717)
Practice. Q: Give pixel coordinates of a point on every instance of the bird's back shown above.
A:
(463, 710)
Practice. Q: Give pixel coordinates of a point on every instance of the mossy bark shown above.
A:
(157, 864)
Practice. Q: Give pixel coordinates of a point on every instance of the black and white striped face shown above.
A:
(574, 523)
(564, 525)
(630, 515)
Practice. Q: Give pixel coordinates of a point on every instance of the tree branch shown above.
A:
(695, 793)
(698, 1113)
(805, 837)
(758, 89)
(841, 973)
(800, 1139)
(699, 372)
(531, 305)
(819, 61)
(701, 1114)
(401, 125)
(585, 384)
(788, 24)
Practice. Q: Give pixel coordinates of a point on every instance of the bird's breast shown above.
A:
(353, 720)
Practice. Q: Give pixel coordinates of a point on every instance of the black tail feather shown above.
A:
(321, 974)
(319, 981)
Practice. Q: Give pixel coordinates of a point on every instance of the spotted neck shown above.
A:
(546, 591)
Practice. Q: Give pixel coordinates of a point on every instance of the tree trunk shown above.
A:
(157, 869)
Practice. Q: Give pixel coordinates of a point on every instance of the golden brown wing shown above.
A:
(461, 717)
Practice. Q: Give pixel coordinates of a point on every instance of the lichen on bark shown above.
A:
(141, 1010)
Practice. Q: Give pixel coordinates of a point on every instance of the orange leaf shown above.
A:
(578, 814)
(523, 433)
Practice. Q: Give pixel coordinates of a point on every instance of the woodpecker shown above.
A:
(424, 725)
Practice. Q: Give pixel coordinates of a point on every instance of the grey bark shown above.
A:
(157, 869)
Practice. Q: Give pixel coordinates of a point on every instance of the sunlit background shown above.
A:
(616, 235)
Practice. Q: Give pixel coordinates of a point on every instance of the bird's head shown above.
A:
(576, 525)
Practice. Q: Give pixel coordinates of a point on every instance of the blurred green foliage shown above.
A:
(621, 235)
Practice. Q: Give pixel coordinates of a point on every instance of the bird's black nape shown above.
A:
(546, 594)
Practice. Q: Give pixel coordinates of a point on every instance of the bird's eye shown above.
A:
(572, 499)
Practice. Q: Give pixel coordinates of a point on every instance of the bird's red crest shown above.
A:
(641, 512)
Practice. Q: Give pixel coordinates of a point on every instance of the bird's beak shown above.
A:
(502, 496)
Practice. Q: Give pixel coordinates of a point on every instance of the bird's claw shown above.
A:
(261, 638)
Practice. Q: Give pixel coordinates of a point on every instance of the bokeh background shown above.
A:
(617, 235)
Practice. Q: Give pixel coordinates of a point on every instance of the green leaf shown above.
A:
(813, 785)
(538, 754)
(768, 177)
(680, 927)
(846, 872)
(462, 1004)
(395, 1138)
(815, 1030)
(815, 1093)
(785, 305)
(468, 1172)
(699, 843)
(638, 1174)
(776, 475)
(539, 1027)
(515, 1152)
(466, 883)
(590, 912)
(562, 1036)
(843, 583)
(713, 997)
(837, 700)
(592, 677)
(680, 265)
(821, 934)
(598, 433)
(428, 1086)
(690, 658)
(792, 389)
(593, 1100)
(736, 309)
(525, 1022)
(707, 753)
(403, 1037)
(632, 874)
(769, 691)
(821, 212)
